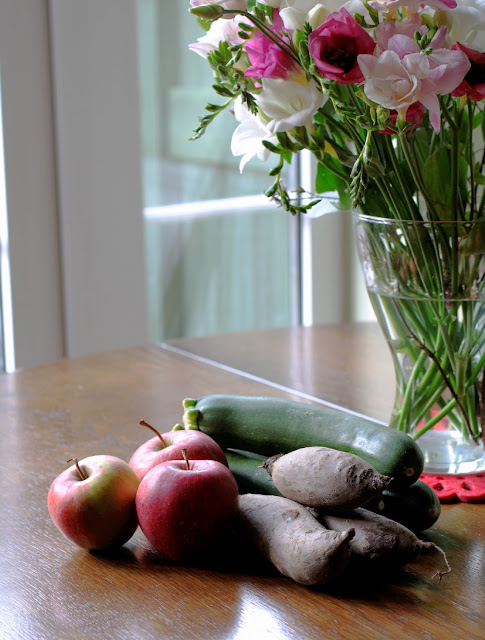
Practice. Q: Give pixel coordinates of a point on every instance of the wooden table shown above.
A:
(51, 590)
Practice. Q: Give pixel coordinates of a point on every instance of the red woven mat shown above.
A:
(457, 488)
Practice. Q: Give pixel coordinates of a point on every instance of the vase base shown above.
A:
(445, 452)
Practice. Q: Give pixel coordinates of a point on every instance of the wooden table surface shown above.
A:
(50, 589)
(348, 366)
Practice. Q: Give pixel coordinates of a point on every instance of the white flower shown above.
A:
(288, 104)
(467, 23)
(317, 15)
(356, 6)
(219, 31)
(295, 13)
(247, 139)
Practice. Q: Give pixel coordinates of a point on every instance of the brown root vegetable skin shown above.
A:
(326, 478)
(287, 535)
(377, 538)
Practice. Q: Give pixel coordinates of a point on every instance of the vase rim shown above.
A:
(356, 214)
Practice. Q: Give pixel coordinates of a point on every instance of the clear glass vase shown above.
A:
(426, 282)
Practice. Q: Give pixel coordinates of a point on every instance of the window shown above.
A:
(100, 240)
(218, 253)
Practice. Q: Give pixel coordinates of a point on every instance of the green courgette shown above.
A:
(268, 426)
(417, 507)
(250, 476)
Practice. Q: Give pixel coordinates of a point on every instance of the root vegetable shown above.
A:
(287, 535)
(321, 477)
(377, 538)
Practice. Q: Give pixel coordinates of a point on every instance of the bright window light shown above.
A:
(6, 288)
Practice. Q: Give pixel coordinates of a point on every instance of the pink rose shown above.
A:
(267, 59)
(473, 84)
(335, 45)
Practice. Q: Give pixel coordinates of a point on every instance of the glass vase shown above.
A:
(426, 283)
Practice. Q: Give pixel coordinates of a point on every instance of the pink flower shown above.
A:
(397, 83)
(267, 59)
(398, 36)
(389, 29)
(335, 45)
(473, 84)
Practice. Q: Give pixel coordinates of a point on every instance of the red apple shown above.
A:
(184, 507)
(93, 502)
(168, 446)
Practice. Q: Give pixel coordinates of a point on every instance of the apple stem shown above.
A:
(145, 424)
(184, 453)
(83, 477)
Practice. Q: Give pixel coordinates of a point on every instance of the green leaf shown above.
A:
(326, 180)
(345, 157)
(205, 24)
(375, 169)
(246, 27)
(479, 178)
(477, 119)
(474, 242)
(286, 142)
(270, 146)
(436, 176)
(275, 171)
(373, 203)
(214, 108)
(222, 91)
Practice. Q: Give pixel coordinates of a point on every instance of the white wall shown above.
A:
(94, 54)
(30, 181)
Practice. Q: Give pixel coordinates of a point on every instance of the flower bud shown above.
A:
(317, 15)
(208, 12)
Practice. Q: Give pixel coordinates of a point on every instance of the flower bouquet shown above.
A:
(388, 96)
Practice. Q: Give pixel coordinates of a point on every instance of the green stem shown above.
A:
(411, 205)
(421, 345)
(414, 168)
(434, 420)
(407, 396)
(471, 159)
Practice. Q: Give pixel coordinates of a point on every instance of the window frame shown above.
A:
(69, 85)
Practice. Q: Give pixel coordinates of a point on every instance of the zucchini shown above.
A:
(417, 507)
(268, 426)
(250, 476)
